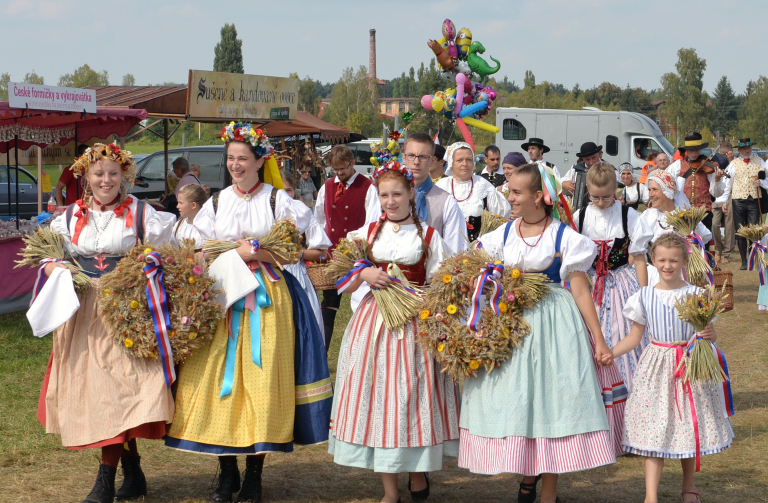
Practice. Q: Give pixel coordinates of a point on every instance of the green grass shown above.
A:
(34, 467)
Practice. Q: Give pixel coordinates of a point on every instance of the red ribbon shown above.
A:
(679, 374)
(601, 271)
(82, 216)
(125, 207)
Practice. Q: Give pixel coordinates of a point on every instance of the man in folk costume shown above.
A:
(493, 171)
(345, 203)
(747, 177)
(536, 150)
(589, 155)
(699, 184)
(473, 193)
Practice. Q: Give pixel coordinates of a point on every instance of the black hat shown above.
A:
(721, 160)
(694, 142)
(588, 149)
(439, 152)
(535, 142)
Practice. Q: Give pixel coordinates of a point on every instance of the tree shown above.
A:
(4, 80)
(686, 105)
(229, 52)
(529, 80)
(308, 99)
(129, 80)
(726, 107)
(352, 103)
(754, 123)
(83, 77)
(34, 78)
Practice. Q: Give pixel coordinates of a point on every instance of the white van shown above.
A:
(625, 136)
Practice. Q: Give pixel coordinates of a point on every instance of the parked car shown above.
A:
(27, 193)
(151, 170)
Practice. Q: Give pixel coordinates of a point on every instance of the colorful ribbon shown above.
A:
(727, 393)
(254, 302)
(491, 274)
(757, 246)
(360, 264)
(601, 271)
(42, 277)
(698, 242)
(158, 308)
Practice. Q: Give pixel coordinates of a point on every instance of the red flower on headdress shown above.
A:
(237, 136)
(114, 148)
(259, 132)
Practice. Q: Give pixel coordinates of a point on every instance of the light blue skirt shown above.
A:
(395, 460)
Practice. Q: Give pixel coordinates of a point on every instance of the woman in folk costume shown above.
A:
(664, 196)
(473, 192)
(618, 232)
(94, 394)
(263, 383)
(393, 411)
(541, 413)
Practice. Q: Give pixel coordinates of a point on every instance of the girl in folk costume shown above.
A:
(94, 394)
(541, 412)
(473, 192)
(619, 233)
(263, 383)
(393, 411)
(316, 244)
(664, 196)
(190, 201)
(665, 418)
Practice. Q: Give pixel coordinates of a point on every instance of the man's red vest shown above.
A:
(348, 213)
(696, 187)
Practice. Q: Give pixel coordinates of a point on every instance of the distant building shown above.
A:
(395, 107)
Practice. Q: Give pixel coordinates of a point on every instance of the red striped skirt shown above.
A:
(389, 392)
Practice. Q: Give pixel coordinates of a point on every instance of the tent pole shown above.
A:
(39, 180)
(16, 152)
(165, 149)
(77, 185)
(8, 172)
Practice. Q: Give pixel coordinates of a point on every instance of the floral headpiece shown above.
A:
(112, 152)
(393, 166)
(665, 181)
(243, 131)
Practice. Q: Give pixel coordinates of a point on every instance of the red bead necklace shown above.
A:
(471, 189)
(519, 230)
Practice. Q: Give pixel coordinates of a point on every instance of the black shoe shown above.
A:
(743, 266)
(104, 489)
(134, 483)
(251, 491)
(419, 496)
(530, 496)
(229, 479)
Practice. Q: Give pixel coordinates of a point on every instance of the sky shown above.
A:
(562, 41)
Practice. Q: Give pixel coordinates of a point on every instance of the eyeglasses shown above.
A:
(605, 199)
(421, 158)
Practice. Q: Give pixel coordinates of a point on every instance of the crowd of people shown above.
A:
(594, 379)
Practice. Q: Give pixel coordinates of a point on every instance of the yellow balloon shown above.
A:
(469, 121)
(437, 104)
(375, 161)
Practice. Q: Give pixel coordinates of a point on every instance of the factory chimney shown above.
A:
(372, 56)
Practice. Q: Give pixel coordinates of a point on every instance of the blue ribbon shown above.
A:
(422, 210)
(262, 300)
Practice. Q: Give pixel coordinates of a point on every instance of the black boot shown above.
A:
(251, 492)
(134, 483)
(104, 489)
(229, 479)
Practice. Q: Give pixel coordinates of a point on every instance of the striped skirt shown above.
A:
(619, 286)
(542, 411)
(389, 394)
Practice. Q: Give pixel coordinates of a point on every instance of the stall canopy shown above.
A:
(44, 127)
(307, 123)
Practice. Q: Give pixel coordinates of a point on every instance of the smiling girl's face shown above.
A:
(105, 178)
(670, 262)
(395, 198)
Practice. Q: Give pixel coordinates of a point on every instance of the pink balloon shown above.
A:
(461, 80)
(465, 132)
(426, 101)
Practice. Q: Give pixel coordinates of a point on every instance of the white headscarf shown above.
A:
(449, 155)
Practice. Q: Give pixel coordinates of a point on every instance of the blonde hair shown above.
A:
(194, 194)
(601, 175)
(670, 240)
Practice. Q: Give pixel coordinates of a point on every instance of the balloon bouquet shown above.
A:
(386, 151)
(470, 101)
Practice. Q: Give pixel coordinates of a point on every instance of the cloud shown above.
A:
(40, 9)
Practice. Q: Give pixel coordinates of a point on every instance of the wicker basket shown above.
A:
(723, 277)
(317, 276)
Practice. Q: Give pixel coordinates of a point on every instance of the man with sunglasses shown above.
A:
(344, 204)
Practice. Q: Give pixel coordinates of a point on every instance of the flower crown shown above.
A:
(112, 152)
(393, 166)
(243, 131)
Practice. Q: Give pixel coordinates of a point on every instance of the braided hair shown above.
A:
(396, 175)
